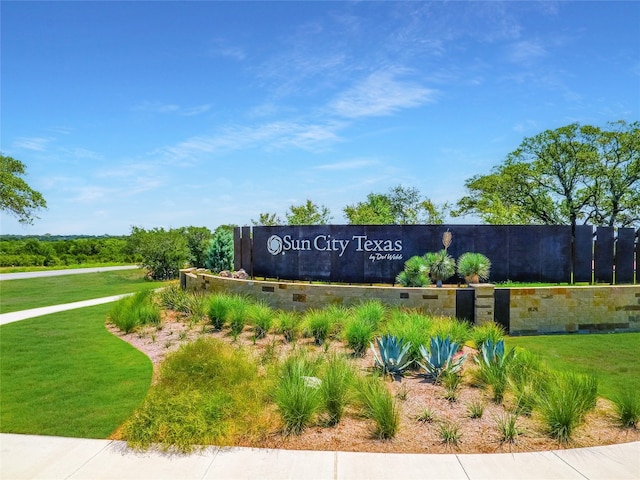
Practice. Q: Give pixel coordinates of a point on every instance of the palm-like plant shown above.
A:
(440, 266)
(414, 273)
(474, 267)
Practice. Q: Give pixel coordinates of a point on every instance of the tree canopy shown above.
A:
(308, 214)
(574, 174)
(402, 206)
(16, 196)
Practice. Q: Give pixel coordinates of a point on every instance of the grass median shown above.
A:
(29, 293)
(66, 375)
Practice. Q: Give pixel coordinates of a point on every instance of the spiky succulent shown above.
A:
(441, 357)
(393, 358)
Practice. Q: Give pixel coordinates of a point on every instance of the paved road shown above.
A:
(54, 273)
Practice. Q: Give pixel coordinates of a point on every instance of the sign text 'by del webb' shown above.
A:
(379, 249)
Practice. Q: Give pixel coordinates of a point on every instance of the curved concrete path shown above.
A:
(68, 271)
(40, 457)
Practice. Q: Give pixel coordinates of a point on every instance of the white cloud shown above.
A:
(37, 144)
(161, 108)
(349, 164)
(381, 93)
(526, 51)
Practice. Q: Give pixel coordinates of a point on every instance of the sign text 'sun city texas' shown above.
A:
(378, 249)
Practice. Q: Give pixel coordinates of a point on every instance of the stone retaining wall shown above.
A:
(537, 310)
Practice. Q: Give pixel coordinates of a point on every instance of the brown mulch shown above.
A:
(414, 393)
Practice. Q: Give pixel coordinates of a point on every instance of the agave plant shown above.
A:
(441, 357)
(393, 358)
(493, 353)
(440, 266)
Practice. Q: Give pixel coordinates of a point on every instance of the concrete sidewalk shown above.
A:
(37, 312)
(36, 457)
(68, 271)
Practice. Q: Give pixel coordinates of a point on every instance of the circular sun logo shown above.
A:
(274, 244)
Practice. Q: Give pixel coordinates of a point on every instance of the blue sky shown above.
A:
(168, 114)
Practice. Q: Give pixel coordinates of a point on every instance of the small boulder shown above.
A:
(225, 273)
(241, 274)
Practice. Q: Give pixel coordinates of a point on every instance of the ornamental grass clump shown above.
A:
(412, 327)
(337, 387)
(358, 334)
(261, 316)
(458, 331)
(288, 325)
(627, 408)
(380, 406)
(219, 307)
(297, 395)
(565, 401)
(486, 331)
(130, 312)
(317, 324)
(493, 363)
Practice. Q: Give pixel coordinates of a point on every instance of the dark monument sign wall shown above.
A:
(376, 253)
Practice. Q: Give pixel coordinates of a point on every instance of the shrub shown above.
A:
(414, 273)
(380, 406)
(474, 267)
(162, 252)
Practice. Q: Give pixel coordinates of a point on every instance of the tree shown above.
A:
(16, 197)
(402, 206)
(267, 220)
(308, 214)
(220, 250)
(162, 252)
(198, 239)
(564, 176)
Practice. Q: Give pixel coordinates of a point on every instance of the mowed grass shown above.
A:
(66, 375)
(29, 293)
(614, 357)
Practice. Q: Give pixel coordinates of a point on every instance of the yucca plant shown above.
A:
(440, 266)
(392, 355)
(415, 273)
(440, 357)
(474, 267)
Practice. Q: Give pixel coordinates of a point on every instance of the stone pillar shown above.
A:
(484, 302)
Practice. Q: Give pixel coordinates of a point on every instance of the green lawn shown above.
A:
(28, 293)
(65, 374)
(613, 357)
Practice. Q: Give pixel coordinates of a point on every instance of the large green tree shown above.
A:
(574, 174)
(16, 196)
(401, 205)
(267, 220)
(308, 214)
(162, 252)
